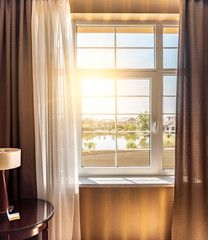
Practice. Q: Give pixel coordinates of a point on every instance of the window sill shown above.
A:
(146, 181)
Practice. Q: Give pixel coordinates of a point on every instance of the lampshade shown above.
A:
(10, 158)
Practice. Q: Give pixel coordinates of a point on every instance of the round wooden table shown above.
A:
(34, 217)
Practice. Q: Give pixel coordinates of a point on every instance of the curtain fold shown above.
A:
(16, 93)
(54, 111)
(190, 215)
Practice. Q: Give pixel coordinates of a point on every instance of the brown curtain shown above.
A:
(16, 94)
(190, 215)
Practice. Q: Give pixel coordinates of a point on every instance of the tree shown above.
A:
(168, 140)
(88, 136)
(120, 127)
(87, 127)
(128, 136)
(90, 145)
(131, 144)
(143, 143)
(143, 122)
(126, 127)
(132, 127)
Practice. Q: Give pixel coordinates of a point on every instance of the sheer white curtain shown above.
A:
(54, 113)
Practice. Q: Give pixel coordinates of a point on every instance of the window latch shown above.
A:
(154, 127)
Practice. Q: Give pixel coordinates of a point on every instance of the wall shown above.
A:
(126, 213)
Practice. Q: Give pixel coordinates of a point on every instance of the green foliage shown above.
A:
(88, 136)
(143, 143)
(131, 144)
(120, 127)
(143, 122)
(126, 127)
(132, 127)
(128, 136)
(168, 140)
(90, 145)
(87, 127)
(109, 128)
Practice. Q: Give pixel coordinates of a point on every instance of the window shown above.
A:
(169, 121)
(127, 93)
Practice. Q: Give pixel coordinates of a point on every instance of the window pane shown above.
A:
(169, 104)
(137, 158)
(135, 58)
(169, 123)
(133, 122)
(135, 37)
(98, 158)
(169, 85)
(95, 58)
(169, 140)
(133, 105)
(170, 58)
(132, 87)
(133, 149)
(95, 37)
(98, 105)
(98, 87)
(169, 158)
(170, 36)
(132, 141)
(98, 123)
(98, 141)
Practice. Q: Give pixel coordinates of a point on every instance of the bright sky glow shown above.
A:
(169, 104)
(170, 40)
(95, 58)
(169, 85)
(95, 50)
(98, 87)
(135, 40)
(135, 58)
(133, 87)
(170, 58)
(95, 40)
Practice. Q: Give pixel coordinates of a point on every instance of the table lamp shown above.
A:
(9, 158)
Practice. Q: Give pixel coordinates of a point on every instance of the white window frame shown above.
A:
(156, 111)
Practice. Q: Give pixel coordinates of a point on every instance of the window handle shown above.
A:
(154, 127)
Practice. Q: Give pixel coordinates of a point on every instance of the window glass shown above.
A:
(170, 58)
(135, 37)
(133, 122)
(170, 47)
(108, 132)
(116, 115)
(169, 121)
(98, 123)
(133, 104)
(95, 58)
(135, 58)
(170, 36)
(169, 104)
(98, 87)
(98, 105)
(169, 85)
(131, 87)
(98, 158)
(95, 37)
(115, 47)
